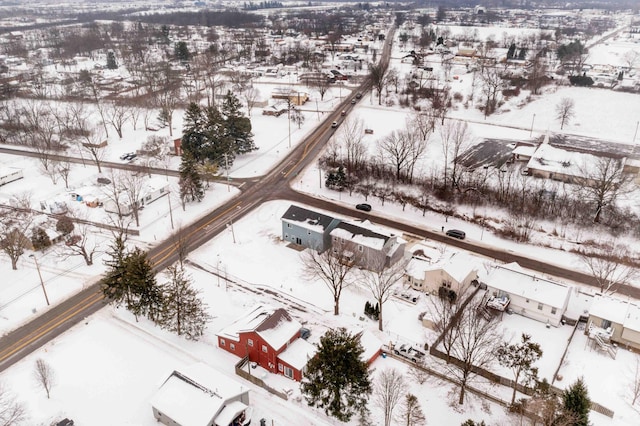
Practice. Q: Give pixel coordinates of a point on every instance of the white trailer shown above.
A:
(10, 174)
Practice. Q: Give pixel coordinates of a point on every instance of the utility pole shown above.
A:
(532, 120)
(44, 290)
(170, 210)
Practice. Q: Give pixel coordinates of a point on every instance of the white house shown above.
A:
(453, 273)
(201, 396)
(618, 319)
(525, 294)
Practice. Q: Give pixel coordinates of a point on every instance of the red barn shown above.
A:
(271, 338)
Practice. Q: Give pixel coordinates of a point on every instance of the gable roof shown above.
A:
(617, 311)
(197, 394)
(511, 278)
(275, 326)
(307, 218)
(363, 233)
(458, 266)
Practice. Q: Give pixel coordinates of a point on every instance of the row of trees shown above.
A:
(130, 281)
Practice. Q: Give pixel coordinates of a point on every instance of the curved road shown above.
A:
(274, 185)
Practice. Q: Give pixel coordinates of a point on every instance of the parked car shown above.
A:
(65, 422)
(364, 207)
(305, 333)
(368, 131)
(358, 95)
(456, 233)
(334, 124)
(409, 352)
(353, 101)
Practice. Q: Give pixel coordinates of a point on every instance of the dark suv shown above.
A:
(364, 207)
(456, 233)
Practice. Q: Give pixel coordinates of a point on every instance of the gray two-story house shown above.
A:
(308, 228)
(366, 245)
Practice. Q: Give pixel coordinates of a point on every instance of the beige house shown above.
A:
(455, 273)
(616, 319)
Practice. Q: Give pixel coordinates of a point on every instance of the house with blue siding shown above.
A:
(307, 228)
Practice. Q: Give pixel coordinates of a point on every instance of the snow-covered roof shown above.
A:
(556, 160)
(512, 279)
(307, 219)
(195, 394)
(363, 233)
(370, 343)
(524, 150)
(275, 326)
(417, 266)
(617, 311)
(298, 353)
(458, 266)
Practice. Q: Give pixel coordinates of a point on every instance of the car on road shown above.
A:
(364, 207)
(456, 233)
(358, 95)
(343, 113)
(130, 156)
(353, 101)
(334, 124)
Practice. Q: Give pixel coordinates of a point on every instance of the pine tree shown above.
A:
(412, 414)
(111, 60)
(237, 126)
(183, 312)
(40, 239)
(190, 182)
(511, 53)
(337, 380)
(193, 138)
(146, 296)
(576, 402)
(181, 51)
(519, 358)
(114, 283)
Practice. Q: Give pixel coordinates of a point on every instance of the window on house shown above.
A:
(606, 324)
(280, 369)
(360, 248)
(540, 305)
(250, 342)
(288, 225)
(264, 348)
(527, 300)
(553, 311)
(288, 372)
(222, 342)
(232, 347)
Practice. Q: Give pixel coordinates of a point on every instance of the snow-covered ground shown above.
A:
(111, 361)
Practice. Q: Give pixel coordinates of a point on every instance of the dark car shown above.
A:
(358, 95)
(364, 207)
(65, 422)
(456, 233)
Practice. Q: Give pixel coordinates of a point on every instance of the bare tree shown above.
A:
(378, 76)
(634, 386)
(631, 58)
(476, 338)
(491, 84)
(351, 133)
(94, 144)
(63, 168)
(411, 413)
(605, 269)
(82, 242)
(117, 114)
(133, 185)
(44, 376)
(396, 149)
(519, 358)
(380, 282)
(12, 412)
(537, 74)
(601, 183)
(455, 141)
(565, 110)
(422, 122)
(251, 96)
(388, 391)
(14, 228)
(332, 268)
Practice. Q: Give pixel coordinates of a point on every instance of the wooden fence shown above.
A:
(245, 374)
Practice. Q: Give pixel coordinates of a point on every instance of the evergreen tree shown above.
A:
(114, 283)
(337, 380)
(522, 55)
(512, 51)
(576, 402)
(181, 51)
(190, 182)
(193, 138)
(111, 60)
(40, 239)
(412, 414)
(237, 126)
(146, 297)
(471, 422)
(183, 312)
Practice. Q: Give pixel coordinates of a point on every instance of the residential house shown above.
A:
(271, 338)
(453, 274)
(200, 396)
(618, 319)
(510, 288)
(366, 245)
(371, 344)
(307, 228)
